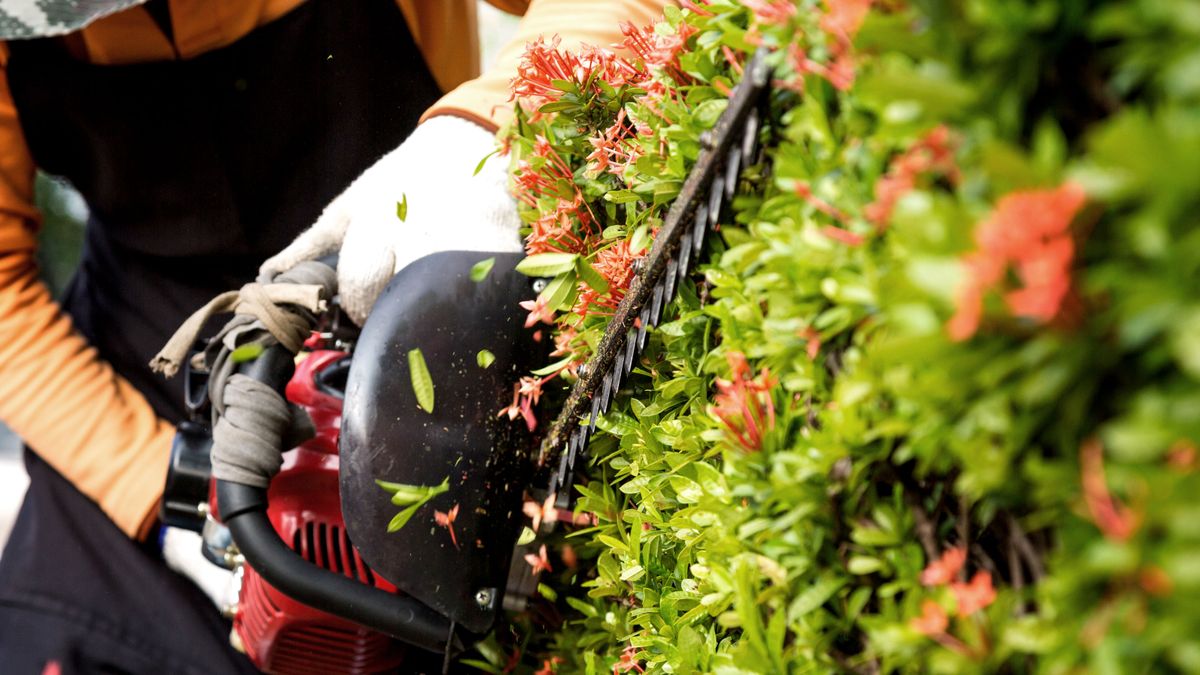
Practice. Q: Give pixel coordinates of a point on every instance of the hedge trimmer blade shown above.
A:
(731, 144)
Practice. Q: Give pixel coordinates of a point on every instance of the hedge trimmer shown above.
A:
(732, 144)
(333, 579)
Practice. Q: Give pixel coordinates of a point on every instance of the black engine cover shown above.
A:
(434, 306)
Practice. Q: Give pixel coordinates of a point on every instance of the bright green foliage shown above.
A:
(1061, 450)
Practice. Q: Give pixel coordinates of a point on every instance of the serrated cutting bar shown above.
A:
(730, 145)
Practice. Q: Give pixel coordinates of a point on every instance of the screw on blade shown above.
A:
(672, 270)
(699, 228)
(630, 349)
(643, 326)
(606, 393)
(715, 199)
(656, 304)
(595, 413)
(733, 168)
(685, 256)
(750, 138)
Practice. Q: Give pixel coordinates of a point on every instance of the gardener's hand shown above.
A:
(448, 208)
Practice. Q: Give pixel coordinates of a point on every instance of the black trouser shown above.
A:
(101, 603)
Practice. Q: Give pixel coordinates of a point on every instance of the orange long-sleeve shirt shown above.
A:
(55, 392)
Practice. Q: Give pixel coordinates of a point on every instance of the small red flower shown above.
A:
(538, 311)
(548, 666)
(845, 236)
(945, 569)
(932, 154)
(743, 404)
(1113, 518)
(539, 513)
(628, 662)
(933, 620)
(771, 12)
(446, 520)
(975, 595)
(539, 561)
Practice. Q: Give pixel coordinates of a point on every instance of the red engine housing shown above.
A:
(281, 635)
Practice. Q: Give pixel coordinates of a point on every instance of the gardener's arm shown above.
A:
(484, 100)
(55, 392)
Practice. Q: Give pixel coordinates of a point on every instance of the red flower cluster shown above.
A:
(616, 264)
(612, 150)
(543, 63)
(840, 24)
(744, 404)
(658, 50)
(934, 153)
(969, 598)
(1029, 230)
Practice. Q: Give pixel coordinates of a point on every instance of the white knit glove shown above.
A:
(449, 209)
(181, 550)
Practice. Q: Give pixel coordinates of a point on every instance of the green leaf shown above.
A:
(480, 270)
(484, 358)
(422, 383)
(479, 166)
(590, 276)
(247, 352)
(560, 292)
(401, 519)
(640, 239)
(402, 208)
(546, 264)
(527, 535)
(553, 367)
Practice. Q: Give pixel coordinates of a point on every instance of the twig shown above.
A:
(1015, 569)
(1021, 541)
(924, 526)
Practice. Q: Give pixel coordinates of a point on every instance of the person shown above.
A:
(207, 135)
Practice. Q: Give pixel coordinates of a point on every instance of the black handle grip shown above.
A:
(244, 511)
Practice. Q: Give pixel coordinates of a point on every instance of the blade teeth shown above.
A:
(732, 171)
(595, 413)
(685, 255)
(672, 270)
(616, 376)
(699, 228)
(582, 434)
(566, 456)
(630, 349)
(644, 320)
(750, 137)
(656, 305)
(715, 198)
(606, 394)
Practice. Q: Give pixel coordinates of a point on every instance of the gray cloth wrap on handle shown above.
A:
(252, 423)
(248, 438)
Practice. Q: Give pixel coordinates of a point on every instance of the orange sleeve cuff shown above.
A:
(485, 100)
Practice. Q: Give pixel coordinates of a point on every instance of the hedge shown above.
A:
(931, 402)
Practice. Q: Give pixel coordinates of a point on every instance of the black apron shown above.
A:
(195, 172)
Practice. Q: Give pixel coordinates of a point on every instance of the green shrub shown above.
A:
(931, 403)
